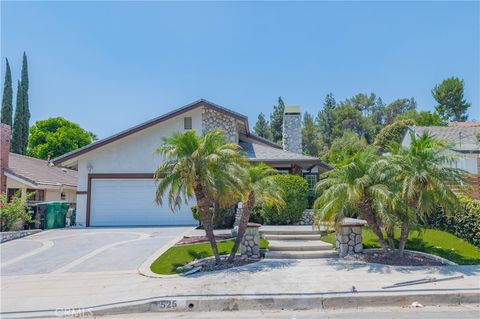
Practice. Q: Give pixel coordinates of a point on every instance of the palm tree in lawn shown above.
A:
(425, 178)
(353, 187)
(202, 167)
(259, 190)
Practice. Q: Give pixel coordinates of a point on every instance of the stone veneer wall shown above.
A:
(307, 217)
(292, 132)
(250, 245)
(349, 240)
(212, 119)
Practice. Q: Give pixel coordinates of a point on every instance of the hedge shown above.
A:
(295, 194)
(463, 223)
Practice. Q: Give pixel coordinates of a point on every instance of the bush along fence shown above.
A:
(464, 223)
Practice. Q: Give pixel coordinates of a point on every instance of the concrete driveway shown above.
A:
(85, 250)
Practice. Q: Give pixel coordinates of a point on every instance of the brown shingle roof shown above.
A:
(39, 172)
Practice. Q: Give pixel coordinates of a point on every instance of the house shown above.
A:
(115, 174)
(465, 142)
(32, 175)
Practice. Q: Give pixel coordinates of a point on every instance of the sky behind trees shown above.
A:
(110, 65)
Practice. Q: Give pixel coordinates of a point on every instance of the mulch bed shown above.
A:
(394, 260)
(201, 239)
(237, 262)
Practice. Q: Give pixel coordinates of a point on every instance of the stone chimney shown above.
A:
(4, 154)
(292, 129)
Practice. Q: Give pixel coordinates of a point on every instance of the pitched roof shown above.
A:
(463, 138)
(147, 124)
(260, 152)
(38, 172)
(463, 123)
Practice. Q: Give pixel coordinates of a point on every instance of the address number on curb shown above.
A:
(169, 305)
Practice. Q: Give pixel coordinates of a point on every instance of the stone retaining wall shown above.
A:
(307, 218)
(11, 235)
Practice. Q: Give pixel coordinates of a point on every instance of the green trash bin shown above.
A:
(55, 214)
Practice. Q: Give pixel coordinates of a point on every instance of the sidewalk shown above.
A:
(266, 278)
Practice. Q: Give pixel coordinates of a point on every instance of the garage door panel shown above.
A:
(130, 202)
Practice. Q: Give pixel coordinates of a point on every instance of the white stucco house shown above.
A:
(115, 175)
(464, 142)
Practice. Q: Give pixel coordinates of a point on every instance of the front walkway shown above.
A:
(283, 277)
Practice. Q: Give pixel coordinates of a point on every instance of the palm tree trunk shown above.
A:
(242, 225)
(390, 236)
(403, 239)
(366, 209)
(204, 207)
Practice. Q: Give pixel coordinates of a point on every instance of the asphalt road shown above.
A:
(454, 312)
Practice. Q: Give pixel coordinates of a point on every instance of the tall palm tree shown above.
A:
(353, 187)
(425, 175)
(259, 190)
(202, 167)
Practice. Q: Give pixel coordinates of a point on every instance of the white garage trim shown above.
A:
(128, 200)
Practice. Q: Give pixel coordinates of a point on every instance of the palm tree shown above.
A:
(425, 178)
(201, 167)
(259, 190)
(353, 187)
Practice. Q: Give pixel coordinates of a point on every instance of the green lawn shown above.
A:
(432, 241)
(181, 255)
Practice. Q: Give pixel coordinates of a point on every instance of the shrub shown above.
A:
(463, 223)
(392, 133)
(14, 211)
(224, 219)
(295, 193)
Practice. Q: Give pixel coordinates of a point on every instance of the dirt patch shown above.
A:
(236, 263)
(201, 239)
(408, 259)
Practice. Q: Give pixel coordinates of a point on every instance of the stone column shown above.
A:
(349, 237)
(250, 246)
(238, 215)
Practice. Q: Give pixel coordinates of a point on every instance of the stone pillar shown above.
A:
(292, 129)
(250, 246)
(349, 237)
(238, 215)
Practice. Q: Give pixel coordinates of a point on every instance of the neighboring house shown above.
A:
(464, 141)
(33, 175)
(115, 175)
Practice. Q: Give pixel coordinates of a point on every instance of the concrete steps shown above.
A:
(301, 254)
(299, 245)
(296, 242)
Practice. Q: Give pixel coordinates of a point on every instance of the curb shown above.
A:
(196, 303)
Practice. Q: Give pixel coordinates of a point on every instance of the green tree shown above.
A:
(344, 147)
(425, 179)
(262, 128)
(276, 121)
(350, 188)
(56, 136)
(423, 118)
(362, 102)
(325, 119)
(259, 190)
(7, 106)
(22, 113)
(451, 103)
(309, 135)
(398, 107)
(201, 167)
(392, 134)
(18, 146)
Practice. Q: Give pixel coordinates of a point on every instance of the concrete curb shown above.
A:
(197, 303)
(144, 268)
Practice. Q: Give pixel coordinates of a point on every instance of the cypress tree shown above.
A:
(26, 107)
(276, 121)
(7, 107)
(17, 145)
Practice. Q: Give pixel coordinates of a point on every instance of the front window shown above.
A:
(312, 180)
(38, 195)
(187, 123)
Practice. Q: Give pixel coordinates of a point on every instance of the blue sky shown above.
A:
(111, 65)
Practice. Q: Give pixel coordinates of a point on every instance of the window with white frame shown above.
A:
(312, 180)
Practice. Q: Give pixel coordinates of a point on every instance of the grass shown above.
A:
(432, 241)
(181, 255)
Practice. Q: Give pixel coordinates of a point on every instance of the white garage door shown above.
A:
(130, 202)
